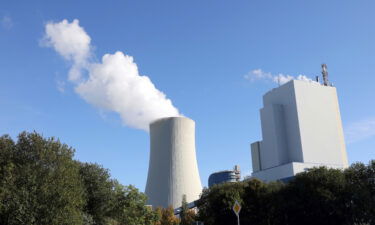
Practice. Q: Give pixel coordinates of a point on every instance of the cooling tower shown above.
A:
(173, 170)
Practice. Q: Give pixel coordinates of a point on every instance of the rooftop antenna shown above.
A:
(325, 75)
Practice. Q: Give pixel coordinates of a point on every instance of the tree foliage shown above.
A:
(187, 215)
(98, 192)
(166, 217)
(40, 183)
(129, 206)
(361, 192)
(318, 196)
(215, 204)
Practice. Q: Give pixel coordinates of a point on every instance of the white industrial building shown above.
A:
(301, 129)
(173, 170)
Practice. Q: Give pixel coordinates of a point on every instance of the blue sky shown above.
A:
(196, 52)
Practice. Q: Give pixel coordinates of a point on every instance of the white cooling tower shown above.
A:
(173, 170)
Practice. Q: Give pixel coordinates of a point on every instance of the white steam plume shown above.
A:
(70, 41)
(114, 84)
(259, 74)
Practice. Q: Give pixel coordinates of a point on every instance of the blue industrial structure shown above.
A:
(224, 176)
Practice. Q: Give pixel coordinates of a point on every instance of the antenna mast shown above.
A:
(325, 75)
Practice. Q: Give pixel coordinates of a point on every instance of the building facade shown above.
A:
(301, 129)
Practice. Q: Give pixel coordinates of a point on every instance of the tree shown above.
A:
(109, 202)
(259, 201)
(40, 182)
(7, 181)
(98, 192)
(215, 204)
(130, 206)
(318, 196)
(166, 217)
(187, 215)
(314, 197)
(361, 192)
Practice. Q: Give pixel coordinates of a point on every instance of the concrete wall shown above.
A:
(274, 136)
(319, 117)
(288, 170)
(301, 123)
(286, 97)
(255, 156)
(173, 170)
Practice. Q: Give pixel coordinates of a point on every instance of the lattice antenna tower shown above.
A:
(325, 75)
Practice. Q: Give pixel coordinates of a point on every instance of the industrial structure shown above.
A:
(301, 129)
(225, 176)
(173, 170)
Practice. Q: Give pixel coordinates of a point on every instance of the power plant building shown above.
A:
(301, 129)
(224, 176)
(173, 170)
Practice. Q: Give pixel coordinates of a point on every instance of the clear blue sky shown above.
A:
(197, 53)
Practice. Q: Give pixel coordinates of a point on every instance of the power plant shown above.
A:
(173, 170)
(301, 129)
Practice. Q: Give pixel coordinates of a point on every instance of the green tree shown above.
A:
(259, 202)
(40, 183)
(318, 196)
(215, 204)
(166, 217)
(109, 202)
(7, 181)
(361, 192)
(314, 197)
(98, 192)
(187, 215)
(130, 206)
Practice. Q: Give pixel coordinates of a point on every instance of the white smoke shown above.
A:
(70, 41)
(259, 74)
(114, 84)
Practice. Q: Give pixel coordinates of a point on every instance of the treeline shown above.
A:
(41, 184)
(319, 196)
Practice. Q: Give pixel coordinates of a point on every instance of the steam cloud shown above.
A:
(114, 84)
(259, 74)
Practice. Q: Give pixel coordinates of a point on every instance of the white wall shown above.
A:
(288, 170)
(319, 117)
(301, 123)
(285, 96)
(173, 170)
